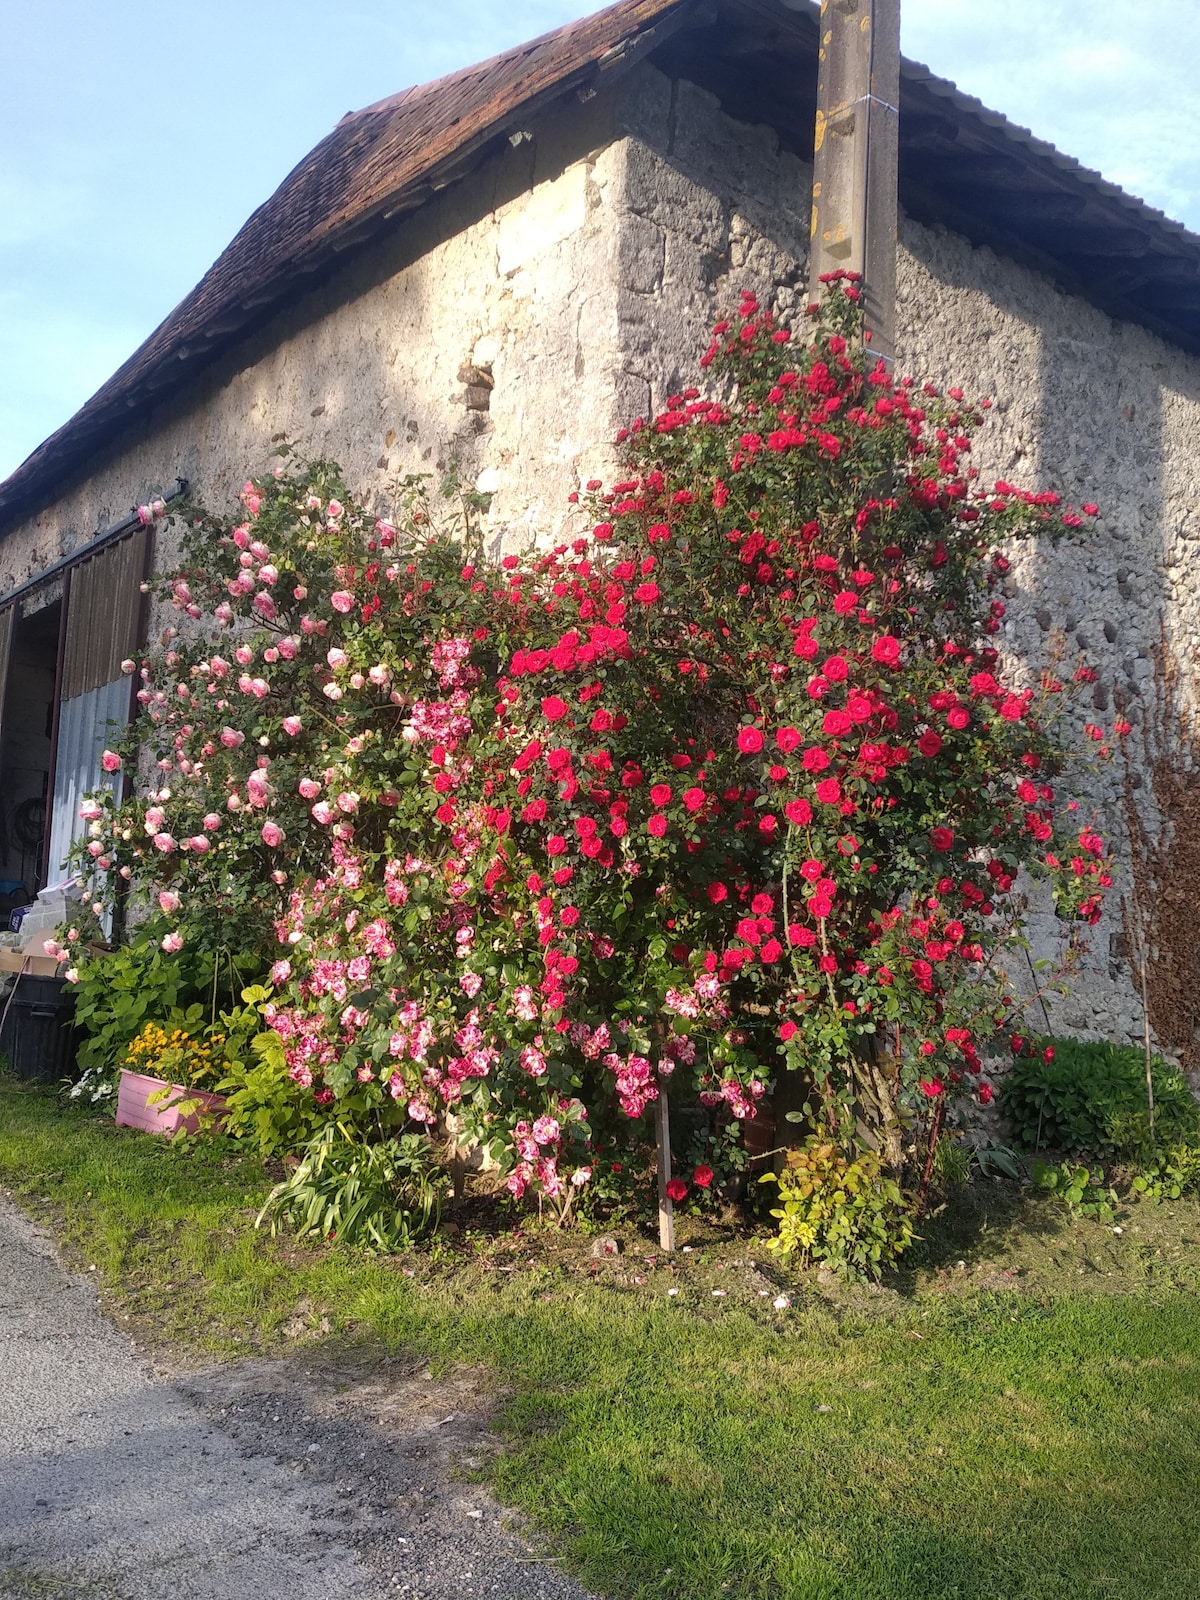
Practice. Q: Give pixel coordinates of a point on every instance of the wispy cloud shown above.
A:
(1099, 81)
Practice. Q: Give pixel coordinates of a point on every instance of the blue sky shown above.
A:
(136, 136)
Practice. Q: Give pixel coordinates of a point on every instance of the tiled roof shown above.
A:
(959, 163)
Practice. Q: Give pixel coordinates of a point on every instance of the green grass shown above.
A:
(1024, 1425)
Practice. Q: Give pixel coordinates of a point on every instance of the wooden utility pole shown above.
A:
(854, 164)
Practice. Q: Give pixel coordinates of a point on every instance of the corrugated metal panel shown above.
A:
(87, 725)
(7, 618)
(103, 615)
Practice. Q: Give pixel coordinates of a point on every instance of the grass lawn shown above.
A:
(1017, 1416)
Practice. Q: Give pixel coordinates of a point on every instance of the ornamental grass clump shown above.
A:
(732, 790)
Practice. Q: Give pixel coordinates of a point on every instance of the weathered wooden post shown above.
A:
(855, 151)
(666, 1209)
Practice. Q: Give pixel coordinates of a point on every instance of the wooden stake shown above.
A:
(666, 1210)
(855, 156)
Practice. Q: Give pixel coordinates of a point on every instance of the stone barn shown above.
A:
(500, 268)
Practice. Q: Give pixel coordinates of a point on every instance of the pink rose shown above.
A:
(168, 901)
(164, 842)
(308, 788)
(110, 761)
(172, 942)
(323, 811)
(342, 600)
(198, 844)
(231, 738)
(272, 834)
(292, 726)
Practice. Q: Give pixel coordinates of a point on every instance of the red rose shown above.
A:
(929, 743)
(693, 799)
(959, 717)
(661, 794)
(677, 1190)
(647, 593)
(941, 838)
(657, 825)
(749, 741)
(702, 1177)
(717, 893)
(829, 791)
(553, 708)
(799, 812)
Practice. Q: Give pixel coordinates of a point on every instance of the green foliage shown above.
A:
(1090, 1100)
(1168, 1174)
(996, 1161)
(376, 1196)
(119, 992)
(261, 1101)
(845, 1213)
(1079, 1187)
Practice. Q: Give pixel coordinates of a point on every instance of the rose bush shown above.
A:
(735, 787)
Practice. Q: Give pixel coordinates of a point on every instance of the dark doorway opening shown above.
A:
(26, 733)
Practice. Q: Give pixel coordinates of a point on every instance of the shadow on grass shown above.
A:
(983, 1223)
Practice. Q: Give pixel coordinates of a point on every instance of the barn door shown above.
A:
(103, 624)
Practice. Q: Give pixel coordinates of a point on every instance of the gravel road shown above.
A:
(307, 1478)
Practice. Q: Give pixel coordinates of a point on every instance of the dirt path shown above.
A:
(298, 1479)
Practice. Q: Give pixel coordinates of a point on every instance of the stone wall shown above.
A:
(1096, 409)
(579, 274)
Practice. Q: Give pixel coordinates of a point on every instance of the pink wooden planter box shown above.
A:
(135, 1089)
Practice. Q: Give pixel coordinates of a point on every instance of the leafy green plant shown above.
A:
(261, 1100)
(119, 992)
(1089, 1099)
(1168, 1175)
(996, 1161)
(376, 1196)
(846, 1213)
(1079, 1187)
